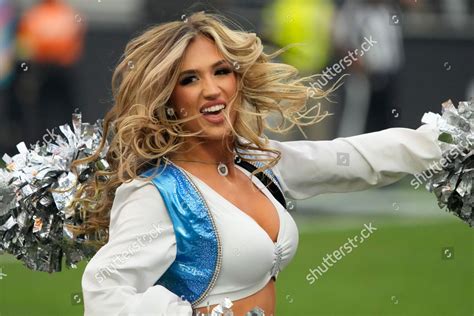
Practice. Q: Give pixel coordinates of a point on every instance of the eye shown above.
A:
(223, 71)
(187, 80)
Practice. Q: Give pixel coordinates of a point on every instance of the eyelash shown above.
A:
(187, 80)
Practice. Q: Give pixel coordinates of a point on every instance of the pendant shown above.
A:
(222, 169)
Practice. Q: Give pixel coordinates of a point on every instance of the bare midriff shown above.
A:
(265, 299)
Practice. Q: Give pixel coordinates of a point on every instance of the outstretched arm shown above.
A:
(309, 168)
(119, 278)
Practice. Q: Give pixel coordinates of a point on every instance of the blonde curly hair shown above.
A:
(141, 130)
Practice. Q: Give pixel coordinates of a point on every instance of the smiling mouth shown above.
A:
(213, 110)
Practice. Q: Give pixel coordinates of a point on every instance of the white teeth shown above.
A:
(214, 108)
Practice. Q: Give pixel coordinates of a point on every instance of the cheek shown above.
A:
(231, 91)
(182, 99)
(232, 85)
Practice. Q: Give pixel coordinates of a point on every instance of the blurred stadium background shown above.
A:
(418, 262)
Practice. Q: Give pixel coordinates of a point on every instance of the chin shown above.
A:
(216, 134)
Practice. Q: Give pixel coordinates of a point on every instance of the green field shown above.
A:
(398, 270)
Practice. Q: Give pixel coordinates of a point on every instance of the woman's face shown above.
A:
(206, 80)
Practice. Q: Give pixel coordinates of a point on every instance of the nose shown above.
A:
(210, 88)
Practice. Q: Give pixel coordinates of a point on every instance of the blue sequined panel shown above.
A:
(197, 245)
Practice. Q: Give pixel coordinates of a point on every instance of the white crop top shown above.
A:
(119, 279)
(247, 244)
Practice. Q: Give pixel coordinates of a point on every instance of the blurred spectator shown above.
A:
(50, 42)
(7, 39)
(457, 12)
(371, 102)
(8, 113)
(306, 26)
(51, 33)
(306, 23)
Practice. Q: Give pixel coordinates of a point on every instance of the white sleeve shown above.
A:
(119, 279)
(308, 168)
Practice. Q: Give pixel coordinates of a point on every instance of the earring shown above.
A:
(169, 110)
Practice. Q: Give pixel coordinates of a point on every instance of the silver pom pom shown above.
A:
(453, 184)
(33, 219)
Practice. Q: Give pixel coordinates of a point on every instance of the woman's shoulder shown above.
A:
(138, 201)
(137, 190)
(139, 184)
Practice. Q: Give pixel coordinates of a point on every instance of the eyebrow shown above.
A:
(192, 71)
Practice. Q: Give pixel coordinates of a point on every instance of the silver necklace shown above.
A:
(221, 166)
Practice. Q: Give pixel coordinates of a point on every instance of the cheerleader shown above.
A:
(194, 202)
